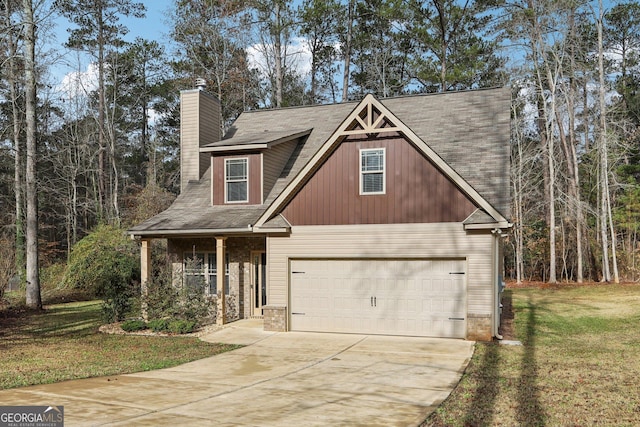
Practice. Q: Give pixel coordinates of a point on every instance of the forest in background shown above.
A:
(106, 151)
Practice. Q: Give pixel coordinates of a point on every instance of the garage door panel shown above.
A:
(399, 297)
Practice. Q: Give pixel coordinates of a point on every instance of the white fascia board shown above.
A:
(503, 225)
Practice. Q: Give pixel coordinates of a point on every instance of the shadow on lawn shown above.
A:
(530, 411)
(481, 411)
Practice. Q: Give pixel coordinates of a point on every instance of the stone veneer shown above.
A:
(275, 318)
(239, 250)
(479, 327)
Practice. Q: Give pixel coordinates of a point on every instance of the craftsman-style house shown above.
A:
(382, 216)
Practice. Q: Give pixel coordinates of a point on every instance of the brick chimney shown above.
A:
(200, 121)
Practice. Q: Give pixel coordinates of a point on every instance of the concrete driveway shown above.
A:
(278, 379)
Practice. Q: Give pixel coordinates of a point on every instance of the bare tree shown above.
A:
(606, 220)
(98, 33)
(34, 300)
(347, 46)
(10, 30)
(276, 22)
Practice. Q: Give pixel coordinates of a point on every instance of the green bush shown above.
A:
(159, 325)
(106, 263)
(53, 290)
(133, 325)
(161, 296)
(166, 299)
(182, 326)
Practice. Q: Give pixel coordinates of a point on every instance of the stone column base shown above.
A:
(479, 327)
(275, 318)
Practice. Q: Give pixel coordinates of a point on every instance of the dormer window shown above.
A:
(372, 171)
(236, 188)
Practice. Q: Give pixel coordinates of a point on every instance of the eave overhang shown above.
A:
(254, 142)
(160, 234)
(502, 225)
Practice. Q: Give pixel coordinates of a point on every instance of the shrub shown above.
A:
(165, 299)
(161, 295)
(159, 325)
(182, 326)
(106, 263)
(133, 325)
(53, 289)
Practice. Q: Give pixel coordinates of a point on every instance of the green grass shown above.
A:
(63, 343)
(579, 365)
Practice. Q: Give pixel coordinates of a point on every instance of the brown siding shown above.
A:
(255, 179)
(416, 191)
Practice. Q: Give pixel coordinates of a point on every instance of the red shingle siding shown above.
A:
(416, 191)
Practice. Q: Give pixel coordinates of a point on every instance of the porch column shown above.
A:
(221, 275)
(145, 270)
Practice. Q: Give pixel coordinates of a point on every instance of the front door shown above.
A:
(259, 282)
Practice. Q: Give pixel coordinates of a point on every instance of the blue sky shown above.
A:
(153, 27)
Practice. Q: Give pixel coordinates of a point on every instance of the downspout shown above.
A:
(498, 288)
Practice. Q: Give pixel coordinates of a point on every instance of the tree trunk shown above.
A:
(551, 81)
(442, 25)
(17, 146)
(277, 48)
(572, 157)
(102, 149)
(33, 298)
(347, 51)
(604, 161)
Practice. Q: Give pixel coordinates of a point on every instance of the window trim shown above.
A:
(383, 171)
(227, 181)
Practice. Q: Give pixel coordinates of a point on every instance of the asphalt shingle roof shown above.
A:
(468, 130)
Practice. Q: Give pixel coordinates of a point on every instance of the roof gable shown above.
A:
(467, 130)
(371, 116)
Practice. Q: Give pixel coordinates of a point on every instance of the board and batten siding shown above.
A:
(273, 162)
(416, 191)
(434, 241)
(199, 125)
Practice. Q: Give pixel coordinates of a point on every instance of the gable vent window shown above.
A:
(236, 180)
(372, 171)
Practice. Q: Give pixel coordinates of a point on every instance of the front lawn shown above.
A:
(63, 343)
(579, 364)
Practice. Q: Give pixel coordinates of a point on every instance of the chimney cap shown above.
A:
(201, 84)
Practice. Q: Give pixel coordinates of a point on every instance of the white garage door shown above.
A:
(391, 297)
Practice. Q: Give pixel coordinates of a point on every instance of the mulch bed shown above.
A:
(115, 328)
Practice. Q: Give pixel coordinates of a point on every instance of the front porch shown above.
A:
(239, 293)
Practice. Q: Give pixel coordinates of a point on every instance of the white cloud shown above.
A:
(298, 56)
(78, 84)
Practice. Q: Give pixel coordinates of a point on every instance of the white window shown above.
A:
(200, 269)
(236, 180)
(372, 171)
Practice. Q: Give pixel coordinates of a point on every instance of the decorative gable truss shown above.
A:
(370, 121)
(370, 117)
